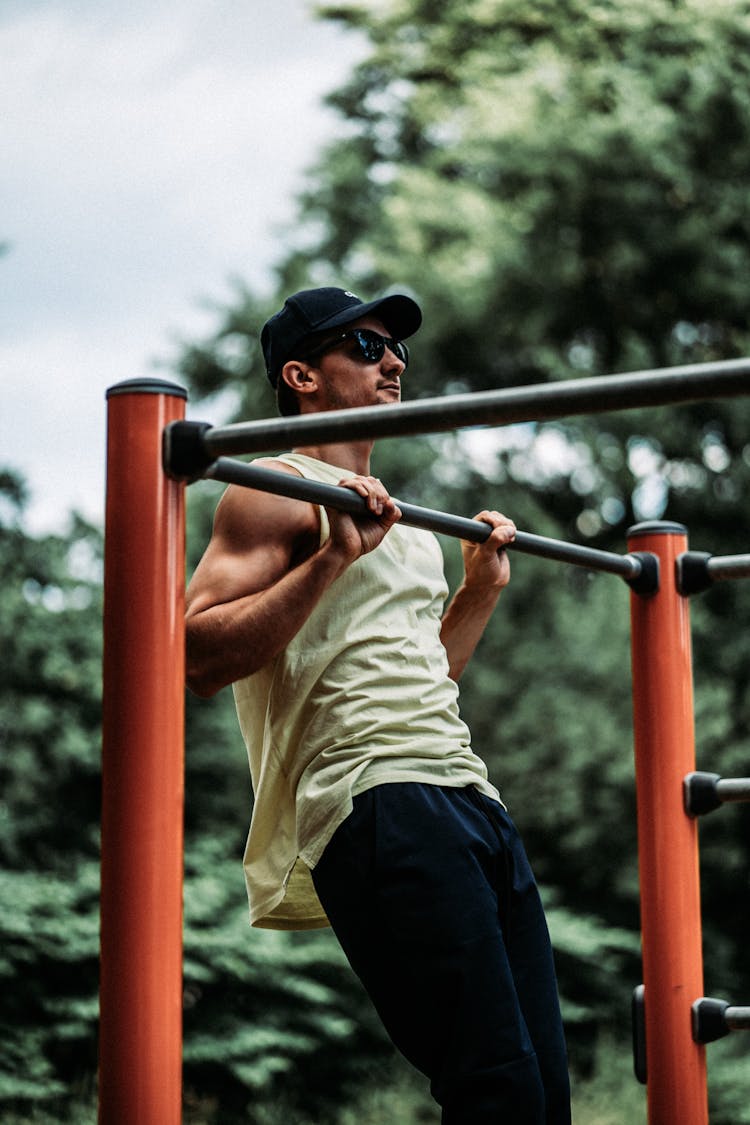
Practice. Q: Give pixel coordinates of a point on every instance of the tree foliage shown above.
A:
(49, 728)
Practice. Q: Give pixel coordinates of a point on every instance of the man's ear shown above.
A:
(299, 376)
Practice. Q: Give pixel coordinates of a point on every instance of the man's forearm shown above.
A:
(464, 623)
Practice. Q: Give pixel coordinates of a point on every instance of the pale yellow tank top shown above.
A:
(360, 697)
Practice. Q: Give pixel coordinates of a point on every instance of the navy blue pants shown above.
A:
(432, 898)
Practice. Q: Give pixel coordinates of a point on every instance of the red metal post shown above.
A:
(140, 1038)
(667, 837)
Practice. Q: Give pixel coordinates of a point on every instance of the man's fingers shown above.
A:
(503, 529)
(374, 492)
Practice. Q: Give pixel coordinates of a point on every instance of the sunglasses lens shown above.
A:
(372, 346)
(401, 351)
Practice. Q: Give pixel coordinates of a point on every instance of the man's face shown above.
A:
(350, 380)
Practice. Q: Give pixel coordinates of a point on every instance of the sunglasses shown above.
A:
(370, 346)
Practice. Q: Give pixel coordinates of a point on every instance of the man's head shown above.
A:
(312, 316)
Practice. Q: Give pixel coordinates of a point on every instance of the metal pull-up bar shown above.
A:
(713, 1019)
(188, 453)
(697, 570)
(640, 571)
(703, 792)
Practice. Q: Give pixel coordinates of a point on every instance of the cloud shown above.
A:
(150, 153)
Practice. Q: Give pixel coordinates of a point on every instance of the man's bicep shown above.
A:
(250, 549)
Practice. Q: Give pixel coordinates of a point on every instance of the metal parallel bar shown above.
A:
(698, 570)
(712, 1019)
(738, 1019)
(728, 566)
(730, 789)
(230, 471)
(704, 792)
(690, 383)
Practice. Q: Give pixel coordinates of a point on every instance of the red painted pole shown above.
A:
(140, 1037)
(667, 837)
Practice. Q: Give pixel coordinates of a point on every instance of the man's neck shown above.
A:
(354, 456)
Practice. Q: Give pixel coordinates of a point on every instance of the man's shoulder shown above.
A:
(248, 515)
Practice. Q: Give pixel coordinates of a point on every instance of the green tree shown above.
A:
(49, 728)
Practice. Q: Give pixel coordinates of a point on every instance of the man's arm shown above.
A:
(486, 573)
(262, 575)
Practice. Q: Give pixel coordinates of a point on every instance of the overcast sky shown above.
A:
(150, 154)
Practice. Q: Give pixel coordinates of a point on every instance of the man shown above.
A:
(371, 809)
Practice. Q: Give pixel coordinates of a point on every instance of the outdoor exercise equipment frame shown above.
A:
(151, 453)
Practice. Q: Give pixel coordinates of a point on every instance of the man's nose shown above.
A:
(391, 362)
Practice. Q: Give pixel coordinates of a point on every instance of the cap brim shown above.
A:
(400, 314)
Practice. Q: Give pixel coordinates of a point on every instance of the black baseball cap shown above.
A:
(313, 310)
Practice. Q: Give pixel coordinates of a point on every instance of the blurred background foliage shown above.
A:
(562, 186)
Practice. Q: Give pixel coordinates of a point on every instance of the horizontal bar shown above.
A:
(690, 383)
(730, 789)
(728, 566)
(713, 1019)
(230, 471)
(698, 570)
(703, 792)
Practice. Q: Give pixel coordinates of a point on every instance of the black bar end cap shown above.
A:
(184, 455)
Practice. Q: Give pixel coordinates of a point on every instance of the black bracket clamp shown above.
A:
(638, 1012)
(703, 792)
(646, 581)
(184, 455)
(713, 1019)
(693, 576)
